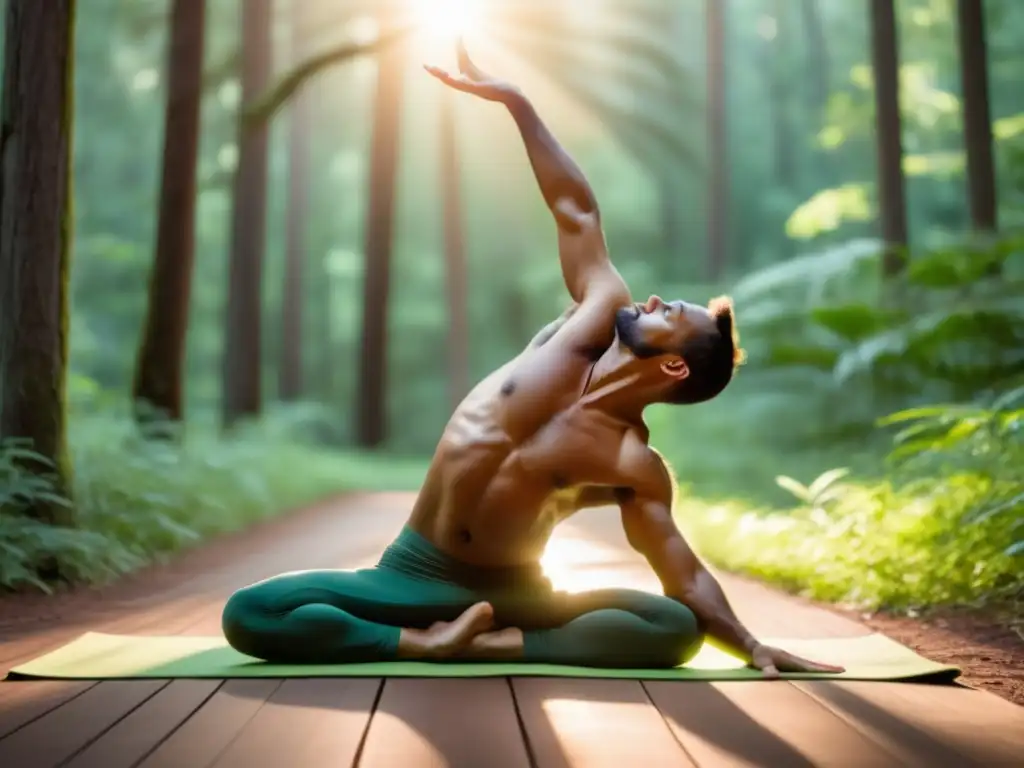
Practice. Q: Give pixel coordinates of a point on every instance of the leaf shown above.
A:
(855, 322)
(794, 487)
(784, 355)
(1015, 549)
(825, 479)
(1004, 506)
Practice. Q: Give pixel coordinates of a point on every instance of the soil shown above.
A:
(987, 644)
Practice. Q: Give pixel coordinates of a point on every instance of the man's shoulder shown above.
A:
(643, 466)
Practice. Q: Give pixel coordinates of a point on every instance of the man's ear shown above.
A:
(676, 368)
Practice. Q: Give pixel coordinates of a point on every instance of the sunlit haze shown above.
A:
(448, 18)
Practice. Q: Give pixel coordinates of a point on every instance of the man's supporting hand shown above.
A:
(473, 80)
(772, 661)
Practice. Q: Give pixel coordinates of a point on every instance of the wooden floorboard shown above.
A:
(24, 701)
(928, 725)
(578, 723)
(732, 724)
(52, 739)
(306, 724)
(471, 722)
(445, 722)
(134, 736)
(200, 740)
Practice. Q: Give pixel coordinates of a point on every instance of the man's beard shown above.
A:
(628, 329)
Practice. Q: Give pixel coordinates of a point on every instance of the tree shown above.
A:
(242, 395)
(35, 232)
(299, 139)
(454, 254)
(718, 164)
(371, 416)
(981, 182)
(159, 373)
(888, 135)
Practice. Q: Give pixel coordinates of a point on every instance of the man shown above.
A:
(557, 429)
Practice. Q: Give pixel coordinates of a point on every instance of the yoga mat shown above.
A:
(95, 656)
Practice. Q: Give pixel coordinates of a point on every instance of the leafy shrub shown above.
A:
(137, 501)
(951, 532)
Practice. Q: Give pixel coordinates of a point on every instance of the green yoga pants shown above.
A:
(338, 616)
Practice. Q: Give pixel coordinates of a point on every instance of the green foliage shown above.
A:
(138, 500)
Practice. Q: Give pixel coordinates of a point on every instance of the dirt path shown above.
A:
(991, 655)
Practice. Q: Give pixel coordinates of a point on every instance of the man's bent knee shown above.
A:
(240, 620)
(684, 634)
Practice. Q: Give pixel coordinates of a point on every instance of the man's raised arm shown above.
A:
(587, 270)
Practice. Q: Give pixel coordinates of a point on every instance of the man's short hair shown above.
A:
(711, 358)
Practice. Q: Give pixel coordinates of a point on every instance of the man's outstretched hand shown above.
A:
(771, 661)
(472, 79)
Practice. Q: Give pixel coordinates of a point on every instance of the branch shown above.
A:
(263, 108)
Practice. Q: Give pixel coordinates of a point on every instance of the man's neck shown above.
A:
(614, 386)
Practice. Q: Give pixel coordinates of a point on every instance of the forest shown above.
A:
(251, 255)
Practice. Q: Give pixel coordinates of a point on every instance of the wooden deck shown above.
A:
(490, 723)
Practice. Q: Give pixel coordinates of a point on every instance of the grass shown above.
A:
(137, 502)
(873, 545)
(944, 526)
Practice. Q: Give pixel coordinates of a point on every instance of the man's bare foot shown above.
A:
(500, 645)
(446, 639)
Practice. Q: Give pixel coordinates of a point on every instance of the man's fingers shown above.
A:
(466, 65)
(770, 671)
(458, 83)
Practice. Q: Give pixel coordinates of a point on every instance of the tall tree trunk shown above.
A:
(371, 415)
(981, 184)
(823, 168)
(888, 135)
(35, 231)
(159, 372)
(243, 337)
(290, 382)
(774, 58)
(454, 254)
(718, 161)
(820, 65)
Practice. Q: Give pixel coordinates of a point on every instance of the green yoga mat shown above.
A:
(95, 656)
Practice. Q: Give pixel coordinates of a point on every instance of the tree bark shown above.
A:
(718, 161)
(888, 135)
(159, 374)
(454, 254)
(371, 416)
(774, 59)
(981, 183)
(820, 65)
(36, 226)
(243, 337)
(290, 384)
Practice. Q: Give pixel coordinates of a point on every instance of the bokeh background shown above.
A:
(367, 245)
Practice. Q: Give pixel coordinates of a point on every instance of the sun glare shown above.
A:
(448, 18)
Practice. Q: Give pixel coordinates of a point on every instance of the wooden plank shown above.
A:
(212, 728)
(141, 730)
(593, 724)
(929, 724)
(61, 733)
(306, 724)
(22, 702)
(761, 723)
(445, 722)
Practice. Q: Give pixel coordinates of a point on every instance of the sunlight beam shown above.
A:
(448, 19)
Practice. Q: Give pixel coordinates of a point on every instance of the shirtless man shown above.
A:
(557, 429)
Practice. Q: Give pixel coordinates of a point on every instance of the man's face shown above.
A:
(656, 327)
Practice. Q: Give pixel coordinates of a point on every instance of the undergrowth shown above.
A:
(139, 501)
(946, 528)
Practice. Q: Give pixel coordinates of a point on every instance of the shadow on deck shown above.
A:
(485, 722)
